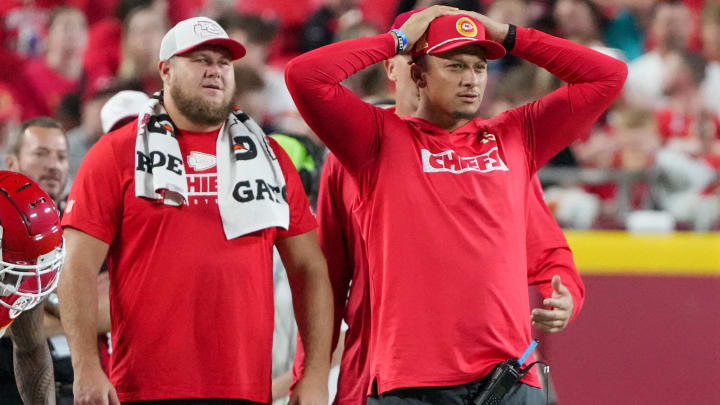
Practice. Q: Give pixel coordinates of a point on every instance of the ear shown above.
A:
(418, 75)
(12, 163)
(164, 69)
(390, 70)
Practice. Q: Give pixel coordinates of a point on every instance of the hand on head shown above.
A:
(418, 23)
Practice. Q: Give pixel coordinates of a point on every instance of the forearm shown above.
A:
(553, 122)
(312, 301)
(78, 308)
(34, 375)
(33, 364)
(571, 62)
(346, 124)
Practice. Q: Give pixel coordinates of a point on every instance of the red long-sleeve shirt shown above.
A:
(547, 249)
(443, 214)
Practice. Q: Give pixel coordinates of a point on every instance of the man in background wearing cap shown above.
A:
(547, 249)
(188, 228)
(442, 195)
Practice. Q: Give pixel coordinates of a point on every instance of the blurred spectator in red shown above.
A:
(582, 21)
(331, 17)
(143, 30)
(118, 41)
(671, 28)
(629, 142)
(60, 71)
(710, 30)
(256, 34)
(685, 124)
(9, 118)
(691, 138)
(24, 25)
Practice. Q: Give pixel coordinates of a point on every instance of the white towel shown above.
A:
(251, 187)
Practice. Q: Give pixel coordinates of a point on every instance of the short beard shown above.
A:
(466, 116)
(198, 110)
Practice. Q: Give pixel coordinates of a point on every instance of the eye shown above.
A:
(480, 68)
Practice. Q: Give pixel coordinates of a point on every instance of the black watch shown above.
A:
(509, 42)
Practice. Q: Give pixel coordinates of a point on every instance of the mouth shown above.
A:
(212, 86)
(469, 97)
(49, 179)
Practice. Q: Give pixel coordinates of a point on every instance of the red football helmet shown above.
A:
(31, 243)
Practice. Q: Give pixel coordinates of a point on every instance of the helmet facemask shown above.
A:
(24, 285)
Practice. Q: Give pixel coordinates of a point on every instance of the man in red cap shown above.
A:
(547, 249)
(442, 196)
(186, 203)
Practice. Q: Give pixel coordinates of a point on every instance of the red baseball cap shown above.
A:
(402, 18)
(453, 31)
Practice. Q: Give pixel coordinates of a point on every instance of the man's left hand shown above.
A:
(561, 304)
(310, 390)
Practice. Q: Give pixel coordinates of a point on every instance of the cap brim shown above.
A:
(493, 50)
(235, 48)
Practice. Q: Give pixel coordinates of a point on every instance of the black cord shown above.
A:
(526, 369)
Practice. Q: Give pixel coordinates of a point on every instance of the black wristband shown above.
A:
(509, 42)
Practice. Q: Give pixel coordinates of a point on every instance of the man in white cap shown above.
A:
(188, 226)
(121, 109)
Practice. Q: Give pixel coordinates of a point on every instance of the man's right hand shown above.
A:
(418, 23)
(92, 387)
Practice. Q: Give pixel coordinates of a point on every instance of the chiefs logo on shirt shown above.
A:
(453, 162)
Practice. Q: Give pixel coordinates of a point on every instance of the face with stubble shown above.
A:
(452, 83)
(201, 84)
(43, 157)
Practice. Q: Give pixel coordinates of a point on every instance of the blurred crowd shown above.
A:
(650, 163)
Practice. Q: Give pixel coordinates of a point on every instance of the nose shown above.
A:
(470, 78)
(212, 70)
(55, 164)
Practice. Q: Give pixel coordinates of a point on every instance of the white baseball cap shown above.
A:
(124, 104)
(193, 32)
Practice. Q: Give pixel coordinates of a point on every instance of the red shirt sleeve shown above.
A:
(95, 203)
(333, 219)
(594, 81)
(301, 218)
(548, 251)
(351, 128)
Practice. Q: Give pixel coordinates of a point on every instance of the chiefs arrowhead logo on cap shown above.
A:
(207, 29)
(466, 27)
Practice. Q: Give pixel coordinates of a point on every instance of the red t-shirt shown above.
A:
(49, 86)
(191, 312)
(443, 214)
